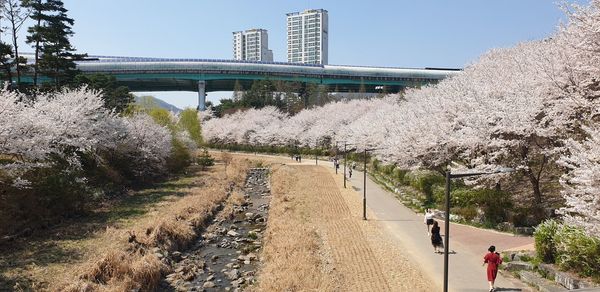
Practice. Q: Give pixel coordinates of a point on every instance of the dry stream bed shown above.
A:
(225, 256)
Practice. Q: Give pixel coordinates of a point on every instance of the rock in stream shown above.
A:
(225, 256)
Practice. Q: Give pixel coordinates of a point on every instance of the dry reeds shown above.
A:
(123, 268)
(126, 271)
(291, 252)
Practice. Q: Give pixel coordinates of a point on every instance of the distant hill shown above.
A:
(151, 101)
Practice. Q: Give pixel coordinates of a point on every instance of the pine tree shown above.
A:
(6, 55)
(117, 98)
(36, 32)
(57, 60)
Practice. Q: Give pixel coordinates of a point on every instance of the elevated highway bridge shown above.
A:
(205, 75)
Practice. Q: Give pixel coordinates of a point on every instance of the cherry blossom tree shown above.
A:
(146, 144)
(512, 107)
(70, 123)
(582, 182)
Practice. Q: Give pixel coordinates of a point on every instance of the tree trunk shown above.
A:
(16, 48)
(535, 183)
(534, 178)
(37, 57)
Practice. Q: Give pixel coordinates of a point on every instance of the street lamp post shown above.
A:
(335, 163)
(365, 182)
(449, 177)
(365, 186)
(345, 158)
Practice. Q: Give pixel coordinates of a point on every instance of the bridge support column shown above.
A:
(201, 95)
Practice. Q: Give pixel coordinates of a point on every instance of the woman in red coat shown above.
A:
(493, 260)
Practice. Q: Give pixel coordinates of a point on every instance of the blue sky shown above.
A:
(400, 33)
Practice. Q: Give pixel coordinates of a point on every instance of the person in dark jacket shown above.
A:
(436, 238)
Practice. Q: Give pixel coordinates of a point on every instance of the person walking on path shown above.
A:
(350, 173)
(436, 238)
(428, 219)
(493, 260)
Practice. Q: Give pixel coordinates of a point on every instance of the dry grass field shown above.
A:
(316, 240)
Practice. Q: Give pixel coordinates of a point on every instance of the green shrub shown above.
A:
(388, 170)
(463, 197)
(188, 121)
(494, 204)
(526, 258)
(425, 181)
(439, 196)
(376, 164)
(468, 213)
(205, 160)
(576, 251)
(544, 241)
(180, 157)
(399, 176)
(56, 190)
(162, 117)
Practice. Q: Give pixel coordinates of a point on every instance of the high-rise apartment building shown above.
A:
(252, 45)
(307, 38)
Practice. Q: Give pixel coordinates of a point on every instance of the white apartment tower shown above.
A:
(252, 45)
(307, 38)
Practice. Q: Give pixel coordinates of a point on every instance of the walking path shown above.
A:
(468, 245)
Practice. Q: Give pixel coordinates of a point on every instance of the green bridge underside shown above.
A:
(159, 74)
(226, 82)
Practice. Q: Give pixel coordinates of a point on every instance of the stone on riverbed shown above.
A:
(233, 274)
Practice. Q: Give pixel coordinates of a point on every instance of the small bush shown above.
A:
(376, 164)
(258, 164)
(188, 121)
(205, 160)
(400, 176)
(576, 251)
(425, 181)
(439, 196)
(465, 197)
(468, 213)
(388, 169)
(544, 241)
(494, 204)
(526, 258)
(180, 157)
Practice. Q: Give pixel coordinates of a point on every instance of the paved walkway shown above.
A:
(468, 245)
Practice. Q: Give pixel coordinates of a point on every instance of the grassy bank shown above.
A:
(109, 248)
